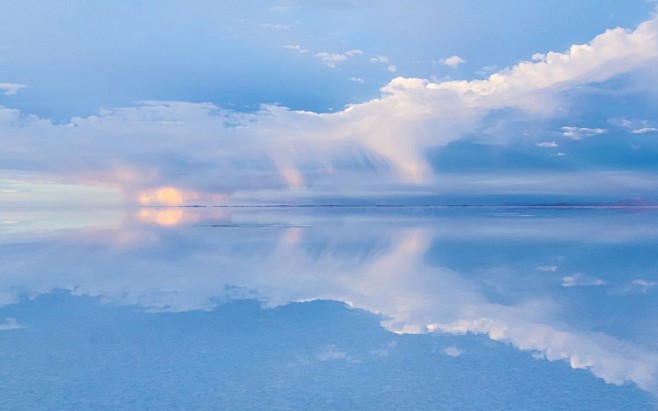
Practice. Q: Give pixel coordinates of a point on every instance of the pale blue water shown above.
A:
(329, 308)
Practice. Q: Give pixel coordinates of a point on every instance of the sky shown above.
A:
(173, 102)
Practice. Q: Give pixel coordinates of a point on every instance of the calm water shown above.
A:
(329, 308)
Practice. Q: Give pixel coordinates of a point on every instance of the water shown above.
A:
(329, 308)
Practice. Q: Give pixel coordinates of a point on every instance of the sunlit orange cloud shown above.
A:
(170, 196)
(293, 177)
(174, 196)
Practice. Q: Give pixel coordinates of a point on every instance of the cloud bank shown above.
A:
(210, 151)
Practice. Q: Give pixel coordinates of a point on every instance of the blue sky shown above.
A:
(178, 102)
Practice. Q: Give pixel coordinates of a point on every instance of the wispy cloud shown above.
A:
(297, 48)
(382, 59)
(331, 59)
(10, 324)
(452, 351)
(276, 26)
(331, 353)
(644, 285)
(547, 144)
(578, 133)
(11, 89)
(644, 130)
(581, 280)
(634, 126)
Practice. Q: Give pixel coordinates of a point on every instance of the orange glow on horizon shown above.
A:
(173, 196)
(163, 196)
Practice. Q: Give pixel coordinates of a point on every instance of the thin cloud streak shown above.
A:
(10, 89)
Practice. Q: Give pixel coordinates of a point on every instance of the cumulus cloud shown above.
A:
(331, 59)
(452, 61)
(11, 89)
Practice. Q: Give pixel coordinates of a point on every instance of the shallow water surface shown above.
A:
(329, 308)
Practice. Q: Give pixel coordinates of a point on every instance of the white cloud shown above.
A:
(331, 353)
(10, 324)
(644, 130)
(380, 59)
(276, 26)
(633, 126)
(331, 59)
(578, 133)
(488, 70)
(614, 52)
(357, 80)
(547, 144)
(551, 268)
(644, 285)
(452, 61)
(11, 89)
(452, 351)
(580, 280)
(297, 48)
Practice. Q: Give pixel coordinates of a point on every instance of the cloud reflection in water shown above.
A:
(420, 269)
